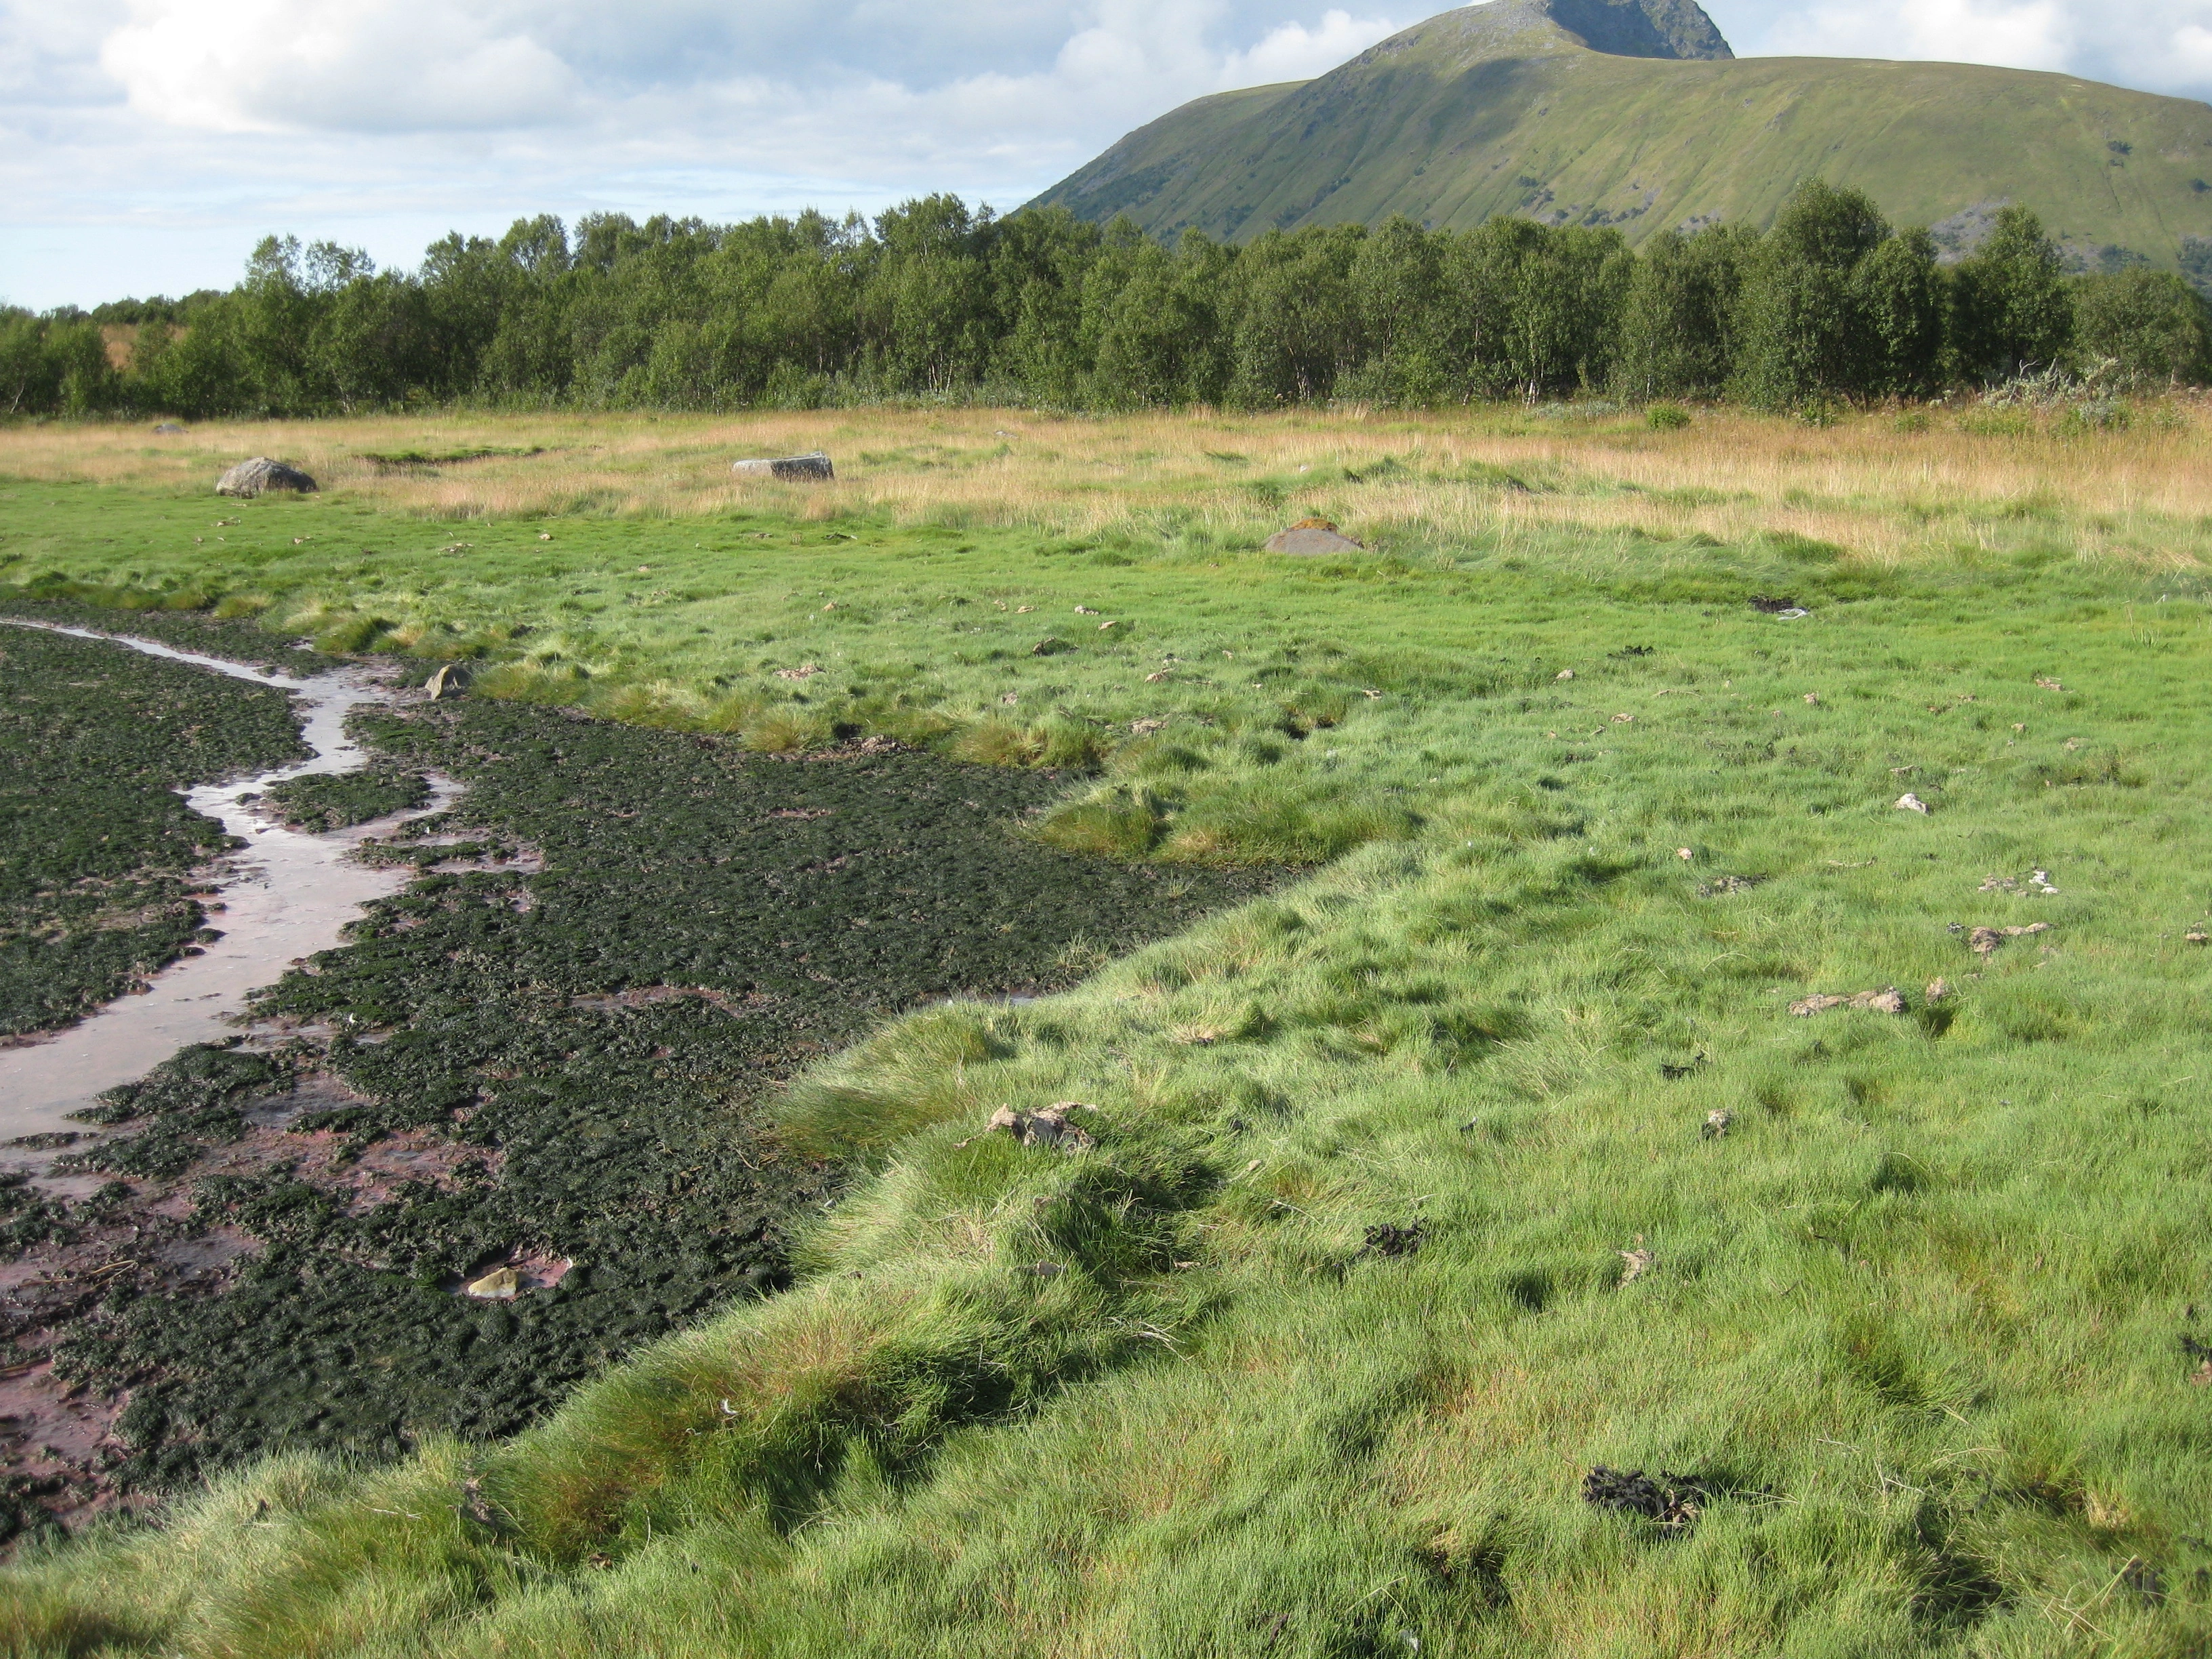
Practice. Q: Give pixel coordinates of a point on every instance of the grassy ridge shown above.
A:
(1913, 1323)
(1449, 134)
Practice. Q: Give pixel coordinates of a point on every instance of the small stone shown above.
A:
(500, 1285)
(1565, 674)
(1637, 1261)
(1812, 699)
(1912, 803)
(1684, 854)
(1985, 941)
(1934, 991)
(1717, 1123)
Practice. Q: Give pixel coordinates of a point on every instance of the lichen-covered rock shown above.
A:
(792, 469)
(261, 475)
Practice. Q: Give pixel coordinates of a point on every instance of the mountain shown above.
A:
(1635, 114)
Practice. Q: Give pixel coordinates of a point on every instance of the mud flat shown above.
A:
(544, 1048)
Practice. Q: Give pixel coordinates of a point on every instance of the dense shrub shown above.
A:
(2150, 324)
(2013, 309)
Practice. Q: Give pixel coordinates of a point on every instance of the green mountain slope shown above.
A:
(1511, 108)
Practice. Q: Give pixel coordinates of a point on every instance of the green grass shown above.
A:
(1449, 130)
(1916, 1319)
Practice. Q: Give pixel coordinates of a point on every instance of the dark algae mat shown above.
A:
(97, 850)
(548, 1056)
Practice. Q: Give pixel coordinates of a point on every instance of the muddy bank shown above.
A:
(549, 1052)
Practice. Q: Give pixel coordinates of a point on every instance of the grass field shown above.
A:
(1403, 1214)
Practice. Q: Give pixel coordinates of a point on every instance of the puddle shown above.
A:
(284, 896)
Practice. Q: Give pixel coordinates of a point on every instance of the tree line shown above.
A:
(932, 299)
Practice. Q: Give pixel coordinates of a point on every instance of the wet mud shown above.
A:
(552, 1052)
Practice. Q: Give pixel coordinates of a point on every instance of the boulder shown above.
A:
(261, 475)
(792, 469)
(1311, 536)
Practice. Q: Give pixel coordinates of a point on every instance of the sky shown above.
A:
(145, 145)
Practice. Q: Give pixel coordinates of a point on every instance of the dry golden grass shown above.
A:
(1884, 494)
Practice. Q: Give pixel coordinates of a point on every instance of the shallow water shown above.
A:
(285, 895)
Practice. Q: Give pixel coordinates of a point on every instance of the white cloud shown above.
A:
(1295, 52)
(2019, 33)
(2156, 45)
(353, 65)
(2192, 51)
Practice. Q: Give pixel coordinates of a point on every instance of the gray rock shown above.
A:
(168, 428)
(449, 682)
(792, 469)
(1312, 536)
(261, 475)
